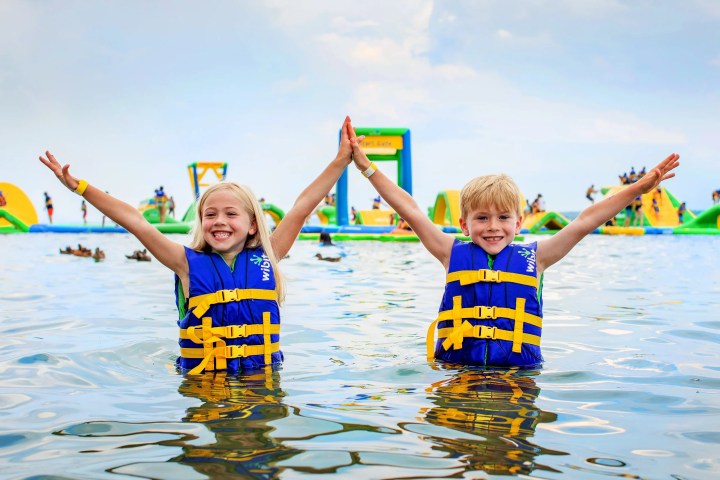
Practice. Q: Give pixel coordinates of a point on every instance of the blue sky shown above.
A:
(558, 94)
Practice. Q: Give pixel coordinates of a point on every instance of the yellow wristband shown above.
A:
(82, 185)
(370, 170)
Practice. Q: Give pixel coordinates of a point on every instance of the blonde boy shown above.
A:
(491, 312)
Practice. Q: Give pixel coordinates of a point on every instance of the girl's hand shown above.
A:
(345, 150)
(661, 171)
(62, 173)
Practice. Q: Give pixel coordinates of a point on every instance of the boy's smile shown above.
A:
(491, 229)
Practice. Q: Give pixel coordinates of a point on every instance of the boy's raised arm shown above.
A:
(288, 229)
(435, 241)
(556, 247)
(169, 253)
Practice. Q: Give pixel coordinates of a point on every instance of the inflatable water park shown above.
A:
(657, 215)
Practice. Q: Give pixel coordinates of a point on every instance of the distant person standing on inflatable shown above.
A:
(48, 206)
(491, 313)
(3, 202)
(589, 193)
(681, 212)
(83, 207)
(227, 281)
(171, 206)
(716, 197)
(161, 203)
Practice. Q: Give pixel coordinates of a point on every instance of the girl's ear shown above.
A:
(253, 228)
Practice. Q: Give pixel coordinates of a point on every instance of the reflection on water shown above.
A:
(236, 410)
(493, 413)
(498, 410)
(630, 386)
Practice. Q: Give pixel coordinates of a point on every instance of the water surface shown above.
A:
(630, 387)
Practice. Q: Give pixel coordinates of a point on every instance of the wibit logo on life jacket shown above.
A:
(264, 263)
(529, 255)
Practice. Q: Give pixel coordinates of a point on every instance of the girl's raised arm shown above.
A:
(169, 253)
(288, 229)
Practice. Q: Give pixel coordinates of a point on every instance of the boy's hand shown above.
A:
(62, 173)
(661, 171)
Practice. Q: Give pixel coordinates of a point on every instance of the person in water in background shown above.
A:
(235, 327)
(491, 312)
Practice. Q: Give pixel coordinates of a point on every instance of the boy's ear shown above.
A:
(464, 227)
(518, 225)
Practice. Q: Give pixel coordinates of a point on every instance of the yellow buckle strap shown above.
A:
(467, 277)
(205, 333)
(222, 352)
(518, 326)
(490, 333)
(201, 303)
(489, 313)
(455, 338)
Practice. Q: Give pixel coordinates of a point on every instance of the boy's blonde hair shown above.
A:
(499, 191)
(261, 238)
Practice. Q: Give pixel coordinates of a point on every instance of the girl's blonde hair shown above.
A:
(499, 191)
(261, 238)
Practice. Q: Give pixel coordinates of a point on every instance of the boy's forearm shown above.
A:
(396, 197)
(599, 213)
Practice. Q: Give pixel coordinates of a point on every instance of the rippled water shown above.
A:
(630, 387)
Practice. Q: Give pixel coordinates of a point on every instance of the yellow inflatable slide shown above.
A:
(18, 213)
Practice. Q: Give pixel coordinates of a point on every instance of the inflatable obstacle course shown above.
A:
(18, 213)
(273, 211)
(667, 203)
(375, 217)
(544, 221)
(446, 210)
(707, 223)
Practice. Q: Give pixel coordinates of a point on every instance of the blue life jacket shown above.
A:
(491, 312)
(231, 320)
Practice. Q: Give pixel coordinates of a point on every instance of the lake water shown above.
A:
(630, 387)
